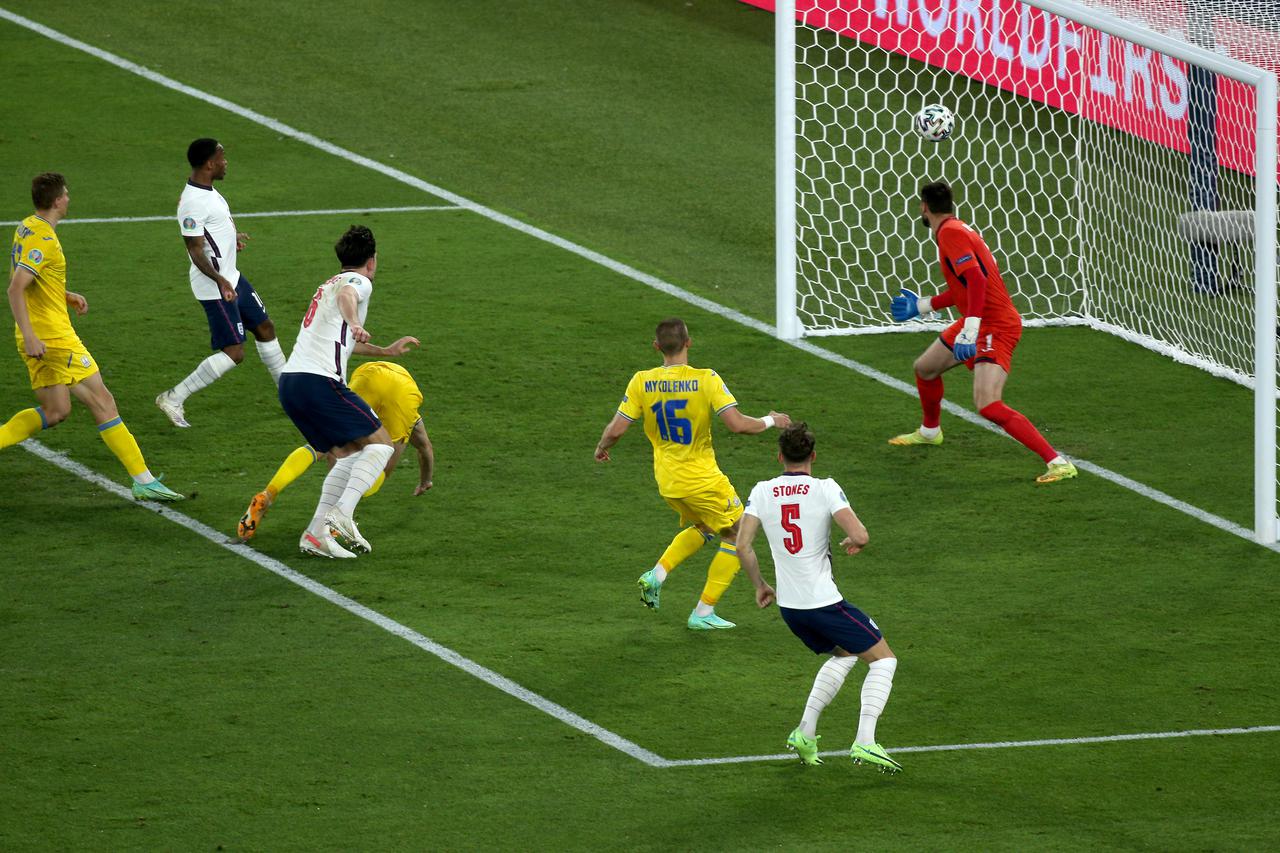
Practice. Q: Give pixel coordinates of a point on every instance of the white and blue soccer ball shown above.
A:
(934, 123)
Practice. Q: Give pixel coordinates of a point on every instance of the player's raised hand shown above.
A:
(765, 596)
(905, 305)
(359, 335)
(403, 345)
(850, 547)
(78, 302)
(242, 240)
(781, 420)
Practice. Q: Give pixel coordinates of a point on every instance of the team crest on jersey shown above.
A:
(35, 256)
(84, 360)
(189, 223)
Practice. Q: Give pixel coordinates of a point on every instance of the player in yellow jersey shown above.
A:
(676, 402)
(390, 391)
(59, 365)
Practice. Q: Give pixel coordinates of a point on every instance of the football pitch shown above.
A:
(1083, 666)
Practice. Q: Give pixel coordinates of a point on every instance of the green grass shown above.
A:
(158, 692)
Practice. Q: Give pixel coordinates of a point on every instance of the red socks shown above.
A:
(930, 401)
(1016, 424)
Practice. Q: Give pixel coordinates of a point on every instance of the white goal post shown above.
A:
(1119, 160)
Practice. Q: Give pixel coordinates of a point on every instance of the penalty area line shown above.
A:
(1009, 744)
(386, 623)
(603, 260)
(265, 214)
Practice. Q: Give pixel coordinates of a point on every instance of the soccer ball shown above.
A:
(934, 123)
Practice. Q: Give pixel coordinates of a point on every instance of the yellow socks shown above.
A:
(120, 442)
(21, 426)
(293, 467)
(377, 484)
(684, 546)
(720, 573)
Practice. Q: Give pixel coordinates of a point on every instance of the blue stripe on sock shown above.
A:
(44, 422)
(116, 421)
(724, 550)
(707, 536)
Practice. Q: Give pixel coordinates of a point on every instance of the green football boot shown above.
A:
(874, 754)
(909, 439)
(1057, 473)
(804, 746)
(650, 589)
(155, 491)
(710, 622)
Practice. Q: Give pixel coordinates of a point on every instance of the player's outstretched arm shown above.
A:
(856, 537)
(18, 284)
(750, 563)
(426, 457)
(612, 432)
(747, 425)
(393, 350)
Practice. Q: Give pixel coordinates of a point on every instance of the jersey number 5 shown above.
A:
(670, 426)
(795, 539)
(312, 308)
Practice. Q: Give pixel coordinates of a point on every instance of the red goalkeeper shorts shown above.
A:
(995, 344)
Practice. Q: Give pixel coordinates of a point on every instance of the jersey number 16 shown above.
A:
(670, 426)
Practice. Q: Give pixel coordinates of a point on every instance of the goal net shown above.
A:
(1109, 153)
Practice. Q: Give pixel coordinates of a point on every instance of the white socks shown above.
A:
(929, 432)
(825, 687)
(334, 485)
(365, 468)
(206, 373)
(272, 356)
(660, 573)
(875, 693)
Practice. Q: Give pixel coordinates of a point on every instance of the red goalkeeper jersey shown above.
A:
(964, 257)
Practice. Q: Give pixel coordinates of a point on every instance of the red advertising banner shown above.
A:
(1037, 55)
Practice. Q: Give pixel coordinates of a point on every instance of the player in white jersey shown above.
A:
(332, 417)
(230, 303)
(796, 510)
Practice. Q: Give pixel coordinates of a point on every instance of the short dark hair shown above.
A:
(46, 188)
(201, 151)
(796, 442)
(672, 334)
(355, 246)
(937, 197)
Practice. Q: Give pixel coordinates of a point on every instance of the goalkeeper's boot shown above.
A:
(323, 546)
(343, 527)
(1057, 471)
(874, 754)
(650, 588)
(253, 516)
(155, 491)
(710, 622)
(911, 439)
(804, 746)
(172, 410)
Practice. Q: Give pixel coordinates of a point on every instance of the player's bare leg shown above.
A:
(988, 392)
(936, 360)
(881, 665)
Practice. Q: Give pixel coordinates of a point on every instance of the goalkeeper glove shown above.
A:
(966, 345)
(907, 304)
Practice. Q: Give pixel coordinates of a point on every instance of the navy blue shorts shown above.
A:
(840, 624)
(228, 320)
(325, 411)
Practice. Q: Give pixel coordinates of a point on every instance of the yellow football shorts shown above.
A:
(716, 508)
(60, 366)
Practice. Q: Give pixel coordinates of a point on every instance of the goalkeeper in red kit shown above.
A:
(983, 340)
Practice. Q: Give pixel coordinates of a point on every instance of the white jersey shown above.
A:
(324, 342)
(203, 212)
(795, 512)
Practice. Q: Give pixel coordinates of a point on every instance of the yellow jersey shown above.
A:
(676, 403)
(36, 248)
(392, 394)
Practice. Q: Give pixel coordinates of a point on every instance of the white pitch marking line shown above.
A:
(1010, 744)
(386, 623)
(266, 214)
(604, 261)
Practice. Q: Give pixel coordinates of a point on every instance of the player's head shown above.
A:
(356, 248)
(207, 156)
(937, 199)
(795, 444)
(671, 336)
(49, 192)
